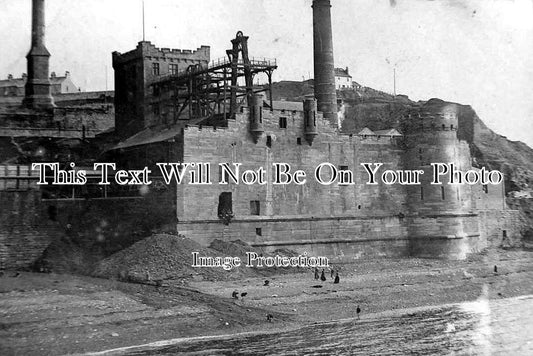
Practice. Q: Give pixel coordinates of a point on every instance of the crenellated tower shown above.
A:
(310, 122)
(441, 221)
(256, 116)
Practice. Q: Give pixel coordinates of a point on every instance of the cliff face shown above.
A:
(291, 90)
(515, 160)
(376, 110)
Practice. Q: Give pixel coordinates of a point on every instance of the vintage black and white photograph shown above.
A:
(266, 177)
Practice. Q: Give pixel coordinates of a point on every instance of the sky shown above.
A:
(475, 52)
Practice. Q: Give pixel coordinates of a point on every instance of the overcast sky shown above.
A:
(477, 52)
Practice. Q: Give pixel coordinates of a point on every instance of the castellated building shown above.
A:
(176, 106)
(346, 221)
(135, 71)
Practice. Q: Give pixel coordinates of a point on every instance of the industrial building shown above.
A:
(199, 115)
(180, 106)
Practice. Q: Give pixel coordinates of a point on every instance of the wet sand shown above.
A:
(481, 327)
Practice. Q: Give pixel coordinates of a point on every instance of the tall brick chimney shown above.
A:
(38, 93)
(325, 93)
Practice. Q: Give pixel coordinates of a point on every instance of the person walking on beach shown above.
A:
(323, 276)
(316, 273)
(337, 279)
(358, 310)
(332, 273)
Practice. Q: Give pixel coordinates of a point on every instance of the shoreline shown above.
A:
(67, 314)
(366, 318)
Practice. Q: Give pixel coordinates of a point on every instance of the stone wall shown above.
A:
(26, 228)
(337, 220)
(450, 236)
(62, 122)
(489, 197)
(29, 223)
(343, 239)
(26, 225)
(235, 145)
(117, 222)
(501, 228)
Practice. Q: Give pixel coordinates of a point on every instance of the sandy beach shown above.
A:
(63, 314)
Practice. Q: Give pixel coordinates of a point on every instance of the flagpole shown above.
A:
(394, 81)
(105, 95)
(143, 20)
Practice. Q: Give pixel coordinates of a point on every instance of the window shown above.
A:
(258, 231)
(269, 141)
(52, 212)
(173, 68)
(155, 68)
(282, 122)
(299, 141)
(155, 109)
(255, 207)
(225, 206)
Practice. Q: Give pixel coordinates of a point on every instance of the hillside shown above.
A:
(515, 160)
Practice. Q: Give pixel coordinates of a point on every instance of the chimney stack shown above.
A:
(325, 93)
(38, 93)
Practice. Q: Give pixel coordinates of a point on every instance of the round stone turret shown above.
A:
(310, 124)
(442, 223)
(256, 116)
(436, 115)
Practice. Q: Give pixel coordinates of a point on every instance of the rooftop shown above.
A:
(342, 72)
(20, 82)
